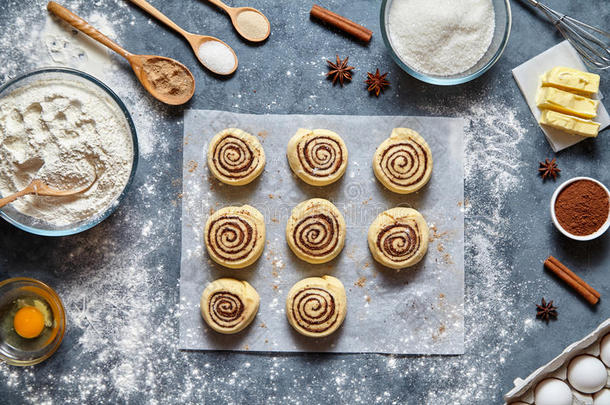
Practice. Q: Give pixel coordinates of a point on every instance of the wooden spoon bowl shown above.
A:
(197, 40)
(144, 67)
(234, 14)
(139, 63)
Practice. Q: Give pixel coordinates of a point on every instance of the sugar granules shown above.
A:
(216, 56)
(441, 37)
(253, 24)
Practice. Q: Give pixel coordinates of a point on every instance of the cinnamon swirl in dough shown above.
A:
(235, 157)
(317, 157)
(398, 237)
(316, 306)
(235, 236)
(228, 305)
(403, 162)
(316, 231)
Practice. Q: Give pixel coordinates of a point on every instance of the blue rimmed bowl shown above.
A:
(503, 22)
(34, 225)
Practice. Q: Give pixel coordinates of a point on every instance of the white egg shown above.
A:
(605, 350)
(602, 397)
(552, 392)
(587, 374)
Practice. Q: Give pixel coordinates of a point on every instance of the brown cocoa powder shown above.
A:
(582, 207)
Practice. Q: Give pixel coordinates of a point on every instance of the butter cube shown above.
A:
(573, 80)
(569, 124)
(561, 101)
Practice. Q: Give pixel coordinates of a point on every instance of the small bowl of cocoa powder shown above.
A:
(580, 208)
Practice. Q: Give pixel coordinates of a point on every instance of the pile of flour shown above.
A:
(441, 37)
(68, 134)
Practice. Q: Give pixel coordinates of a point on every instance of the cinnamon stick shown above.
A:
(342, 23)
(578, 284)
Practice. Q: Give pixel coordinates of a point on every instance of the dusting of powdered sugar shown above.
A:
(492, 135)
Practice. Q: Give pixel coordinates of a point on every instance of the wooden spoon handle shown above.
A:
(13, 197)
(85, 27)
(221, 5)
(146, 6)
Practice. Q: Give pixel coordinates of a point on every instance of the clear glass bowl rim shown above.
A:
(112, 207)
(449, 81)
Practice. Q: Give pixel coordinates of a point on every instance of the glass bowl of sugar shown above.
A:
(71, 131)
(445, 42)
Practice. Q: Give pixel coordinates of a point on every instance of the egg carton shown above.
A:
(557, 368)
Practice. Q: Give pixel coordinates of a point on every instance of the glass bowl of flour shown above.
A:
(445, 42)
(68, 129)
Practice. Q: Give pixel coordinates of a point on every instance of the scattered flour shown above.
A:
(492, 165)
(67, 46)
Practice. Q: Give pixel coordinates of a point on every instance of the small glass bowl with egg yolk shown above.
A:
(32, 321)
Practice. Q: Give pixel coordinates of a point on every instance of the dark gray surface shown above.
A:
(499, 347)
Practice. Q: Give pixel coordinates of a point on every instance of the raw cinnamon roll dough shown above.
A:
(228, 305)
(235, 236)
(403, 162)
(316, 231)
(398, 237)
(235, 157)
(316, 306)
(318, 157)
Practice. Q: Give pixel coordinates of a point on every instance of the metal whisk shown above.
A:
(588, 41)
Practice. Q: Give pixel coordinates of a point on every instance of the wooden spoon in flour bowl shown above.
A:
(166, 79)
(39, 187)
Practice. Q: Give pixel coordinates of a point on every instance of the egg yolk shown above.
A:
(28, 322)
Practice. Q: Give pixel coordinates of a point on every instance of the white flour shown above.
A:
(68, 47)
(441, 37)
(69, 135)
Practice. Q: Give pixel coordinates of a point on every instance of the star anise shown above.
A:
(549, 169)
(546, 311)
(376, 82)
(339, 71)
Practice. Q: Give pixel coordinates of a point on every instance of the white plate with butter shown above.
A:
(527, 76)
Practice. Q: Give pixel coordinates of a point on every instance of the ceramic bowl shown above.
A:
(594, 235)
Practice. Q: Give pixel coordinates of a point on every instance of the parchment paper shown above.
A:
(417, 310)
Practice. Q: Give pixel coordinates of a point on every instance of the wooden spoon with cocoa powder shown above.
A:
(166, 79)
